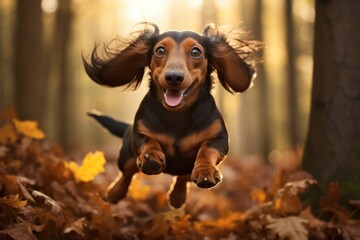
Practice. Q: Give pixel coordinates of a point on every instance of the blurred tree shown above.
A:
(256, 122)
(292, 96)
(332, 151)
(62, 61)
(30, 80)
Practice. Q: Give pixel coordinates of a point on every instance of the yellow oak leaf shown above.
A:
(13, 201)
(7, 133)
(92, 165)
(137, 190)
(29, 128)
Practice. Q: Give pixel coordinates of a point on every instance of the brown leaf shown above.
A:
(298, 186)
(3, 151)
(351, 230)
(7, 134)
(313, 221)
(289, 227)
(77, 226)
(9, 114)
(10, 183)
(175, 221)
(355, 203)
(288, 204)
(23, 190)
(23, 230)
(332, 195)
(287, 201)
(337, 211)
(55, 207)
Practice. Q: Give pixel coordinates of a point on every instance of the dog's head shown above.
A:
(179, 62)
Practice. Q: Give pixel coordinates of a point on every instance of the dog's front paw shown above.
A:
(206, 176)
(152, 162)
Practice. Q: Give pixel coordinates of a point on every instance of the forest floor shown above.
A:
(45, 194)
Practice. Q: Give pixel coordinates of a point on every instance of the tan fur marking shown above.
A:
(208, 156)
(194, 140)
(166, 141)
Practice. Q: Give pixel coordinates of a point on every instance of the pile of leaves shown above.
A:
(44, 194)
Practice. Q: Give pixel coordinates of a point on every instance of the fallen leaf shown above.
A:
(288, 204)
(174, 221)
(24, 191)
(29, 128)
(298, 186)
(351, 230)
(13, 201)
(77, 226)
(137, 190)
(219, 226)
(258, 195)
(7, 133)
(312, 220)
(332, 195)
(289, 227)
(337, 211)
(55, 207)
(92, 165)
(9, 114)
(23, 230)
(3, 150)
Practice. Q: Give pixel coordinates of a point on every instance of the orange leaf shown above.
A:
(29, 128)
(219, 226)
(13, 201)
(7, 133)
(258, 195)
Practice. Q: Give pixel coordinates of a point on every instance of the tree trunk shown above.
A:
(30, 82)
(332, 151)
(64, 99)
(293, 116)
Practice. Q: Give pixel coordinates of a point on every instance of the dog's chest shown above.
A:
(182, 143)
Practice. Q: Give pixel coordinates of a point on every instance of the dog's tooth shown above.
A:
(205, 179)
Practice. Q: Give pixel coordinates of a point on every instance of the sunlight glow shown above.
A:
(49, 6)
(195, 3)
(142, 10)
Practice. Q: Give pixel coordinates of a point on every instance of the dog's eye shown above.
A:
(195, 53)
(160, 51)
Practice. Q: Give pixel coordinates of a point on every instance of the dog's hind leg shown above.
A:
(118, 189)
(178, 191)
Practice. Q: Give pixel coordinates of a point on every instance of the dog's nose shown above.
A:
(174, 78)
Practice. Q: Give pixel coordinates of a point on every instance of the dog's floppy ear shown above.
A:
(124, 67)
(234, 73)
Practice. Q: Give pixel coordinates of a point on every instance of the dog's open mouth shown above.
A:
(174, 97)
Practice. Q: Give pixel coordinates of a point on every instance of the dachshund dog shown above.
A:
(178, 128)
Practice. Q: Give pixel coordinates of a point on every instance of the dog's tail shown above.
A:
(113, 126)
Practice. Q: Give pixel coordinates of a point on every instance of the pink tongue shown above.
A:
(173, 98)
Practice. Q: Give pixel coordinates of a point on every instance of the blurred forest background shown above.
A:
(41, 73)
